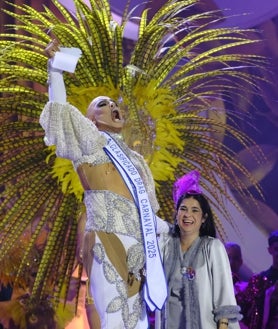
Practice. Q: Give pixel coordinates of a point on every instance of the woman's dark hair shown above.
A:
(208, 227)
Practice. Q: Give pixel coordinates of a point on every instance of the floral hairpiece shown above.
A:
(188, 183)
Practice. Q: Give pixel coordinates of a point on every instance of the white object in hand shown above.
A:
(66, 59)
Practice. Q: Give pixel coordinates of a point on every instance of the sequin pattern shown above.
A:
(119, 215)
(119, 303)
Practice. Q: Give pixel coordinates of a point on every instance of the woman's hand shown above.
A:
(223, 324)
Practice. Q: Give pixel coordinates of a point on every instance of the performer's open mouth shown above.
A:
(116, 115)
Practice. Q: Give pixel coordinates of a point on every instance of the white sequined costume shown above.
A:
(78, 139)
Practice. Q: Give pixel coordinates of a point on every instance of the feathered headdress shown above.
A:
(179, 72)
(188, 183)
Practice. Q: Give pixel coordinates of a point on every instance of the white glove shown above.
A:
(56, 85)
(64, 60)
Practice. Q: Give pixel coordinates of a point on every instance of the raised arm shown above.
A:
(56, 85)
(74, 135)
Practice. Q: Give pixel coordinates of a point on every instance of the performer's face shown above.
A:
(106, 114)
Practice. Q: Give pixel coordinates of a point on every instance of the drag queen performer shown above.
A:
(120, 204)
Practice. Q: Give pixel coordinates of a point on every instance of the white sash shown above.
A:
(155, 289)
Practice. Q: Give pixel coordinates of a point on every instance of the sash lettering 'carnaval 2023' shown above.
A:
(155, 289)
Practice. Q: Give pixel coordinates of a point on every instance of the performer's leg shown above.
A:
(91, 311)
(87, 258)
(109, 291)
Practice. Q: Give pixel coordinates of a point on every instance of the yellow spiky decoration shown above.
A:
(176, 68)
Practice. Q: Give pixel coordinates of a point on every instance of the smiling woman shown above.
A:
(200, 287)
(191, 219)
